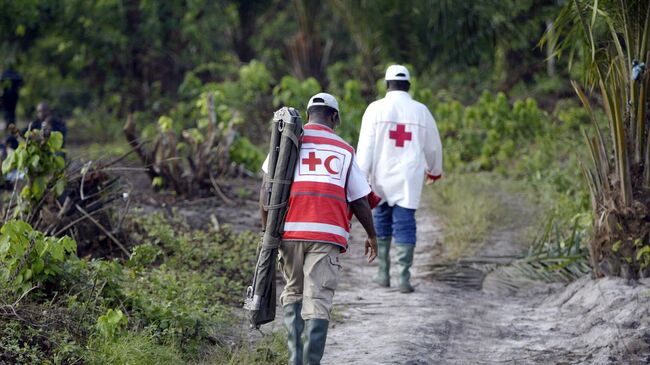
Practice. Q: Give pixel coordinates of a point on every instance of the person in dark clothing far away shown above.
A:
(11, 82)
(44, 116)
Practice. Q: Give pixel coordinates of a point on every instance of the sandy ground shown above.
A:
(587, 322)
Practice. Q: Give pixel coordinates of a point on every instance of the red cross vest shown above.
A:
(318, 206)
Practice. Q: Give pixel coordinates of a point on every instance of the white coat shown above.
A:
(398, 144)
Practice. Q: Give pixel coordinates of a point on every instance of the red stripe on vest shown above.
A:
(318, 209)
(318, 188)
(318, 127)
(317, 236)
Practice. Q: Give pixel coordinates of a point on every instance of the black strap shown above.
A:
(280, 181)
(292, 136)
(271, 242)
(275, 206)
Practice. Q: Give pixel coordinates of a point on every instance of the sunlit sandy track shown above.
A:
(586, 322)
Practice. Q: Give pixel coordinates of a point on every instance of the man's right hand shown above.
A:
(371, 245)
(361, 210)
(430, 179)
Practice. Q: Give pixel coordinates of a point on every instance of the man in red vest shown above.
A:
(327, 185)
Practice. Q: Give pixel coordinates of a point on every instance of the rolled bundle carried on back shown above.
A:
(283, 155)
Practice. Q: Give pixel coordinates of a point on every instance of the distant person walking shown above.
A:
(44, 119)
(327, 184)
(11, 82)
(399, 147)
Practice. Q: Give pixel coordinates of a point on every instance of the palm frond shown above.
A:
(553, 257)
(617, 35)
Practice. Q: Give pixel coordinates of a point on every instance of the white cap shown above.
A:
(324, 99)
(397, 72)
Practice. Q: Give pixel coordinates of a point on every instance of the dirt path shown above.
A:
(586, 322)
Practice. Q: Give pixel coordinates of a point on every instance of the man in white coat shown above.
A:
(399, 147)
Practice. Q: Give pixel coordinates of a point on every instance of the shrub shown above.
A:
(111, 323)
(39, 159)
(295, 93)
(28, 257)
(486, 135)
(244, 152)
(171, 302)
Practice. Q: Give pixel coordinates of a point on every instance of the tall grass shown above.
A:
(468, 211)
(270, 350)
(133, 348)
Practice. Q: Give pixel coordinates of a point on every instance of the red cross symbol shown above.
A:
(312, 161)
(400, 135)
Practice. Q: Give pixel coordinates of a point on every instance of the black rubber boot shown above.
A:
(383, 259)
(295, 325)
(315, 337)
(405, 261)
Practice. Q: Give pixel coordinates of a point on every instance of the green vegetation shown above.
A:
(615, 39)
(527, 151)
(556, 255)
(269, 350)
(485, 135)
(170, 302)
(29, 257)
(468, 210)
(99, 62)
(38, 157)
(123, 57)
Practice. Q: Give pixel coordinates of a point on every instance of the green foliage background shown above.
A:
(501, 106)
(98, 61)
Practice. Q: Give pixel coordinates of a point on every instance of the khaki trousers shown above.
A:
(312, 271)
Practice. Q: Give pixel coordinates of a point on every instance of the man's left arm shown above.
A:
(432, 149)
(264, 192)
(357, 191)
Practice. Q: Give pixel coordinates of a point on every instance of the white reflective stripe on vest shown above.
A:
(323, 134)
(316, 227)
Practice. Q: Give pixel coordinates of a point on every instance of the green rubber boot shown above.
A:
(405, 261)
(383, 259)
(294, 324)
(315, 337)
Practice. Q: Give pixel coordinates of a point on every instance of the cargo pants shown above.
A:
(312, 271)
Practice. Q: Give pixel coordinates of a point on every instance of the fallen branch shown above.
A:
(137, 146)
(108, 234)
(76, 221)
(12, 307)
(220, 192)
